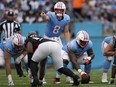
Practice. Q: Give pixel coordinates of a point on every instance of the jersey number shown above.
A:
(56, 29)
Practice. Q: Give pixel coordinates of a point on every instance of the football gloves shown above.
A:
(87, 60)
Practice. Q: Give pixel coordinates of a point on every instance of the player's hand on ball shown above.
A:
(85, 79)
(83, 74)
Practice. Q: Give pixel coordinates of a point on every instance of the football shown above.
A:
(85, 80)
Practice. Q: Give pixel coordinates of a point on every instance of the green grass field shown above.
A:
(50, 73)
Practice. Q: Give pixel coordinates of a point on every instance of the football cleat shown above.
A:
(57, 81)
(111, 81)
(91, 82)
(76, 81)
(104, 78)
(69, 80)
(44, 81)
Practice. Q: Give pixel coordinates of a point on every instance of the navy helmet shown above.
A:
(32, 34)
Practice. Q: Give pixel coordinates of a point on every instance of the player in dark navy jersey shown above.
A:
(50, 48)
(31, 44)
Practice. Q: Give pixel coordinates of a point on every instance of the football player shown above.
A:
(108, 59)
(57, 22)
(79, 51)
(13, 47)
(50, 48)
(110, 50)
(31, 44)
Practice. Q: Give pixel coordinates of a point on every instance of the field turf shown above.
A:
(50, 73)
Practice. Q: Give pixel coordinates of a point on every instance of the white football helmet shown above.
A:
(18, 41)
(59, 8)
(82, 38)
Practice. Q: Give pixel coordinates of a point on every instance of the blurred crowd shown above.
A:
(103, 11)
(28, 11)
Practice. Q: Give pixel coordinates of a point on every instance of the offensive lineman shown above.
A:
(108, 59)
(110, 50)
(79, 51)
(13, 47)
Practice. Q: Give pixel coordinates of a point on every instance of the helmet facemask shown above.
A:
(82, 43)
(18, 41)
(82, 38)
(17, 47)
(59, 9)
(59, 12)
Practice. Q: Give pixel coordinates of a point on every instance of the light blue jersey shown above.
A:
(8, 46)
(107, 62)
(73, 45)
(108, 39)
(54, 26)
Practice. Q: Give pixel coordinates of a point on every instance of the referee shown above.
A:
(8, 28)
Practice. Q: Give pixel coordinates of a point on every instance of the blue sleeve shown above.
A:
(71, 46)
(49, 14)
(90, 44)
(67, 19)
(7, 48)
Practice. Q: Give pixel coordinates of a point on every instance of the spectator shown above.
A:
(113, 24)
(25, 5)
(34, 5)
(106, 26)
(77, 6)
(30, 18)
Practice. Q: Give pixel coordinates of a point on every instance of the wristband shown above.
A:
(21, 56)
(79, 70)
(89, 58)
